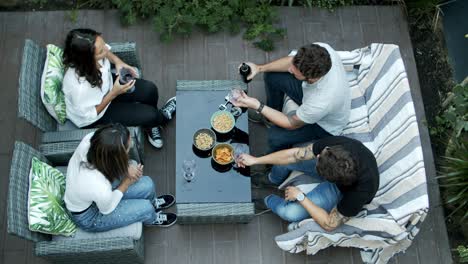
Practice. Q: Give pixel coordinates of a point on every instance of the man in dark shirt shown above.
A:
(347, 172)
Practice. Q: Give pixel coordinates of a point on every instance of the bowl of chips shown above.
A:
(222, 122)
(204, 139)
(222, 153)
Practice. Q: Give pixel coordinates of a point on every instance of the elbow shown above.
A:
(290, 127)
(328, 228)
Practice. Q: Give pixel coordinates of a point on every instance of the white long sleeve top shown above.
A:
(81, 98)
(85, 186)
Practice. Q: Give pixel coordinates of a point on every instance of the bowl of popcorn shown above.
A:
(204, 139)
(222, 122)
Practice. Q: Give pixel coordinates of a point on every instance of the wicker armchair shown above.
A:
(56, 137)
(108, 250)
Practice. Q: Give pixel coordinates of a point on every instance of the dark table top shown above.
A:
(212, 184)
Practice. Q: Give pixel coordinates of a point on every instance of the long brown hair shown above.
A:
(79, 54)
(108, 151)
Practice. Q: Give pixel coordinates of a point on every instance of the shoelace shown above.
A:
(158, 202)
(155, 132)
(160, 218)
(170, 107)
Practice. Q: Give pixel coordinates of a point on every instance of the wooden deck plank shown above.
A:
(226, 249)
(214, 57)
(202, 244)
(349, 22)
(249, 243)
(269, 228)
(155, 253)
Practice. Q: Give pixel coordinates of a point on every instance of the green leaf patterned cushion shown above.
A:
(46, 208)
(51, 86)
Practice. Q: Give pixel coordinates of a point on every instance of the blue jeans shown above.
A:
(136, 206)
(326, 195)
(277, 84)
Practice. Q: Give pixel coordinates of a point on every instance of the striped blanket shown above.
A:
(383, 118)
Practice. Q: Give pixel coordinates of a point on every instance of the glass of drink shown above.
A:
(234, 94)
(239, 149)
(189, 167)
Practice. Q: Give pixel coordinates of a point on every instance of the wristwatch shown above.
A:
(260, 108)
(300, 197)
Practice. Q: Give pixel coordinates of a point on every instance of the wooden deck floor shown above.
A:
(211, 57)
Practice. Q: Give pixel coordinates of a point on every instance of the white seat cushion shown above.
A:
(134, 231)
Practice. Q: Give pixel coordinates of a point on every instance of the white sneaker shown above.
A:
(155, 137)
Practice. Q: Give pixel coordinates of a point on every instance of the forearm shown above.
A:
(281, 157)
(279, 65)
(328, 221)
(123, 186)
(113, 58)
(317, 213)
(276, 117)
(105, 102)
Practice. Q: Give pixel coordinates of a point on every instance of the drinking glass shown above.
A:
(239, 149)
(189, 167)
(234, 94)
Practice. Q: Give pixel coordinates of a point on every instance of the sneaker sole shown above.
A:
(170, 118)
(167, 206)
(156, 145)
(165, 226)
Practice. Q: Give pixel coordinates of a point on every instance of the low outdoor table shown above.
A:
(217, 194)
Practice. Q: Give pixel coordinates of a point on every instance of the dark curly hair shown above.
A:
(108, 151)
(79, 54)
(313, 61)
(337, 165)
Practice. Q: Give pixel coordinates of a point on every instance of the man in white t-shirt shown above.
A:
(314, 78)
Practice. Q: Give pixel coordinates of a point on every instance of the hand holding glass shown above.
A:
(239, 149)
(189, 167)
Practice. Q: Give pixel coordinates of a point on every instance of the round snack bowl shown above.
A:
(221, 145)
(207, 131)
(218, 113)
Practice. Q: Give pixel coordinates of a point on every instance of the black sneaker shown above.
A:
(169, 108)
(164, 201)
(164, 220)
(260, 204)
(155, 137)
(260, 180)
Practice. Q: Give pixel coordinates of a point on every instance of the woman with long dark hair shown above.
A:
(104, 191)
(93, 95)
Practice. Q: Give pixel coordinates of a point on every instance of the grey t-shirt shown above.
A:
(327, 102)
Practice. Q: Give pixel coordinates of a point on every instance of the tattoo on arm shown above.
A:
(334, 220)
(304, 153)
(294, 120)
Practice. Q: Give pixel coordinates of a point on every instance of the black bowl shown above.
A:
(206, 131)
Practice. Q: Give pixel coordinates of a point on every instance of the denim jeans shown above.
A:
(326, 195)
(136, 206)
(277, 84)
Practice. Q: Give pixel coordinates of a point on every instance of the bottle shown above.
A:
(244, 71)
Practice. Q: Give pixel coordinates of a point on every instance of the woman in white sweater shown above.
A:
(94, 96)
(104, 191)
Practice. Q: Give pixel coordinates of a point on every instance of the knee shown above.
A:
(147, 187)
(289, 213)
(275, 136)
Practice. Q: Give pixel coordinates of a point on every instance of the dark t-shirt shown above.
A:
(363, 190)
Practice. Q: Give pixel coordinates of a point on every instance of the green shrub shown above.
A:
(179, 17)
(454, 117)
(454, 177)
(463, 254)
